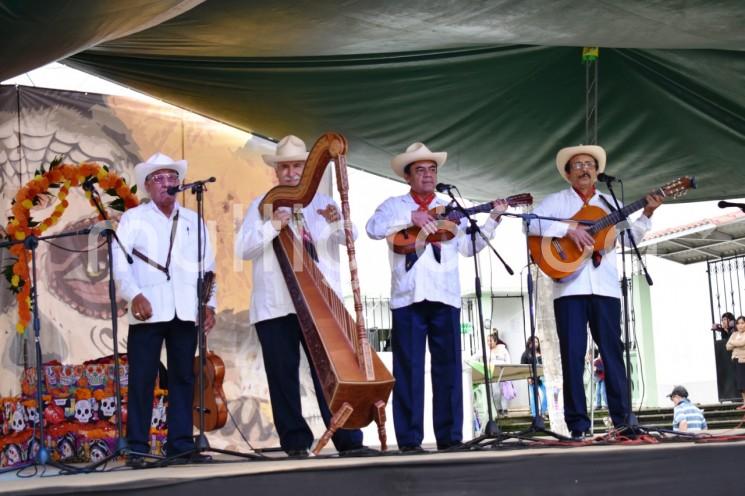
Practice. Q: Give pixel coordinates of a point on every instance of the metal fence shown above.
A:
(726, 286)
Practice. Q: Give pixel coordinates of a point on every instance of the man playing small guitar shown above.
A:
(425, 300)
(590, 294)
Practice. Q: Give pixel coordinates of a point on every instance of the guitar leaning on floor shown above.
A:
(215, 402)
(410, 239)
(559, 257)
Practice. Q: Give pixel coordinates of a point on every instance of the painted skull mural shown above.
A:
(73, 300)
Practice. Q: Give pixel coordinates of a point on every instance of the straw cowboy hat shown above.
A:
(565, 154)
(154, 163)
(289, 149)
(415, 152)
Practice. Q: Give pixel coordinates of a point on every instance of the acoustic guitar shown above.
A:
(411, 239)
(559, 257)
(215, 402)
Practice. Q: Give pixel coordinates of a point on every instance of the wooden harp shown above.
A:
(355, 382)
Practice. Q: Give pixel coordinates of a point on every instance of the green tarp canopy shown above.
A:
(499, 85)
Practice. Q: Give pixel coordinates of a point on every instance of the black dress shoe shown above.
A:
(411, 449)
(580, 436)
(361, 451)
(135, 461)
(297, 453)
(199, 458)
(452, 446)
(188, 458)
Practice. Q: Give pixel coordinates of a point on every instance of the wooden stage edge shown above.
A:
(700, 468)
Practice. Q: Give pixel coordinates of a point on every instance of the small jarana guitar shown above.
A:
(410, 239)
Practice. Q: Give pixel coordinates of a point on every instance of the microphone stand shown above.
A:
(122, 447)
(201, 443)
(491, 429)
(537, 425)
(631, 427)
(42, 456)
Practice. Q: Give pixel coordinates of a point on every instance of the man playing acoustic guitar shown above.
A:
(425, 301)
(590, 295)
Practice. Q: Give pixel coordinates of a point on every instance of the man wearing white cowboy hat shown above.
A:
(272, 312)
(591, 295)
(425, 302)
(161, 289)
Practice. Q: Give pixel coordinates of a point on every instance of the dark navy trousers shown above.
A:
(144, 343)
(414, 326)
(603, 314)
(280, 340)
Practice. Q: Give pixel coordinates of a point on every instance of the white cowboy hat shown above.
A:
(415, 152)
(154, 163)
(565, 154)
(289, 149)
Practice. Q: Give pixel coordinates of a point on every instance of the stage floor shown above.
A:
(668, 467)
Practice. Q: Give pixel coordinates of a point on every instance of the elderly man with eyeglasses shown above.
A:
(161, 289)
(591, 295)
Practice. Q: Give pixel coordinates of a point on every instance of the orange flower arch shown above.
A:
(60, 177)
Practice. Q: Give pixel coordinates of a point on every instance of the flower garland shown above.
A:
(20, 226)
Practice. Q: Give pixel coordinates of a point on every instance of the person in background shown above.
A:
(687, 417)
(736, 344)
(532, 354)
(599, 376)
(726, 367)
(501, 391)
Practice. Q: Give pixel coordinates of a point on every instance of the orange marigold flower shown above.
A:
(83, 394)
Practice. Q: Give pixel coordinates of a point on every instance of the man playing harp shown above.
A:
(272, 311)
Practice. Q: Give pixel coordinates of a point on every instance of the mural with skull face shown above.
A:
(38, 124)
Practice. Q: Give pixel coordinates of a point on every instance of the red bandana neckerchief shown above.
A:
(422, 201)
(585, 198)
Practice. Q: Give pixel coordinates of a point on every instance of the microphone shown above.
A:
(605, 178)
(444, 188)
(725, 204)
(172, 190)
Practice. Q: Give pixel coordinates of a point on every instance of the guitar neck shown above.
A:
(617, 216)
(456, 215)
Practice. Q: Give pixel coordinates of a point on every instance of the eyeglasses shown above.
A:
(582, 165)
(164, 178)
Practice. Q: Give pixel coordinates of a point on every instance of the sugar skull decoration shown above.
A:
(66, 446)
(32, 412)
(108, 406)
(18, 421)
(98, 450)
(51, 375)
(69, 374)
(11, 455)
(158, 420)
(83, 411)
(96, 374)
